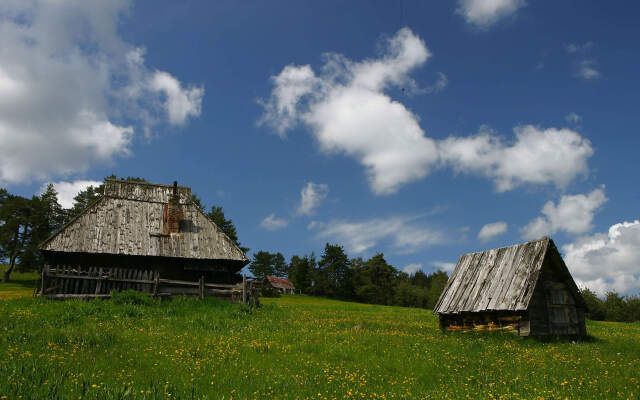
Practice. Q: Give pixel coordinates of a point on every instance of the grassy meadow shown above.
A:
(21, 284)
(293, 347)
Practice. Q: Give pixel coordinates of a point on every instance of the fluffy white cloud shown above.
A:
(573, 214)
(180, 103)
(273, 223)
(445, 266)
(489, 231)
(404, 235)
(607, 261)
(348, 111)
(484, 13)
(311, 196)
(411, 268)
(537, 156)
(573, 118)
(72, 91)
(68, 190)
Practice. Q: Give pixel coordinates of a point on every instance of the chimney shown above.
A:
(173, 212)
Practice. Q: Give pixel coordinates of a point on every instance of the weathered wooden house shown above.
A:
(526, 288)
(283, 285)
(143, 236)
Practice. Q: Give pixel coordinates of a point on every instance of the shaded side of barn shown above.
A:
(525, 288)
(141, 236)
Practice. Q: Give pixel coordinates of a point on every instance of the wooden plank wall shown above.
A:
(69, 281)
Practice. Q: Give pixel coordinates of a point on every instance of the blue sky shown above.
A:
(419, 129)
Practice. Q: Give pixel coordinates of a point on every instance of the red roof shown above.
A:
(280, 283)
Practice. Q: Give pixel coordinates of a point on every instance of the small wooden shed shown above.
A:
(526, 288)
(282, 285)
(141, 236)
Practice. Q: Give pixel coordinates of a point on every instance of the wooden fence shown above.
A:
(65, 282)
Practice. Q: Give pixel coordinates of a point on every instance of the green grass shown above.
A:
(292, 347)
(21, 284)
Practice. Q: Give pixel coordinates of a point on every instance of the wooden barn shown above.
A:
(142, 236)
(525, 288)
(283, 285)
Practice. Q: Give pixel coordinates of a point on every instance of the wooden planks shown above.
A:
(497, 279)
(129, 221)
(62, 281)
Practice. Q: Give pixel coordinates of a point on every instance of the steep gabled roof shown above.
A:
(501, 279)
(128, 220)
(280, 283)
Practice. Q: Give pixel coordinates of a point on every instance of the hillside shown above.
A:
(292, 347)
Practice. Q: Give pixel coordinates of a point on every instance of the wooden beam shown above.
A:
(244, 288)
(156, 282)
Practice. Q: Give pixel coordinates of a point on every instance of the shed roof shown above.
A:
(501, 279)
(280, 283)
(128, 220)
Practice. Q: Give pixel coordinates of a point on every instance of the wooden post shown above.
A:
(99, 281)
(202, 287)
(244, 288)
(42, 278)
(156, 282)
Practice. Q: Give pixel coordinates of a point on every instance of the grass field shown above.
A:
(20, 284)
(292, 347)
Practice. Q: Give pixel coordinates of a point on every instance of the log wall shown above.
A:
(73, 281)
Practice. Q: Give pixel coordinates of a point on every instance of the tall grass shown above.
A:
(132, 347)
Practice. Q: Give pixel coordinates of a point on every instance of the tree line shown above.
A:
(337, 276)
(26, 222)
(613, 307)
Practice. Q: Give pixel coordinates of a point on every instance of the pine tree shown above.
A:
(334, 277)
(280, 266)
(262, 264)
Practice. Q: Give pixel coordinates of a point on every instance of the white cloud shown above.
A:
(72, 91)
(484, 13)
(403, 234)
(489, 231)
(348, 111)
(315, 225)
(411, 268)
(573, 214)
(311, 196)
(578, 47)
(180, 103)
(273, 223)
(607, 261)
(445, 266)
(291, 85)
(586, 70)
(573, 118)
(439, 85)
(538, 156)
(68, 190)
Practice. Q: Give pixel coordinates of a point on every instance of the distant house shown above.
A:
(526, 288)
(284, 285)
(140, 236)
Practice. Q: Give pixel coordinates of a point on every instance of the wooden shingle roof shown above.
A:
(128, 220)
(280, 283)
(501, 279)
